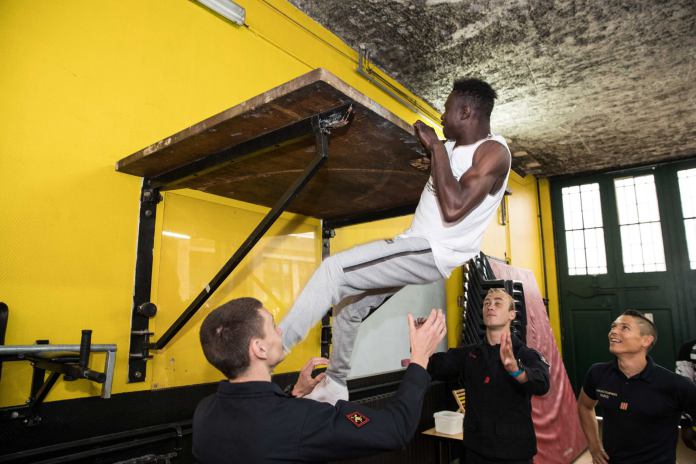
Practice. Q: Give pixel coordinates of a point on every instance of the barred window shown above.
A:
(639, 221)
(584, 231)
(687, 191)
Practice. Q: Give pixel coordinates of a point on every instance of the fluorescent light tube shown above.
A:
(227, 9)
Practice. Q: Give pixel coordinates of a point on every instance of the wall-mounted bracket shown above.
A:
(141, 310)
(327, 233)
(70, 361)
(319, 125)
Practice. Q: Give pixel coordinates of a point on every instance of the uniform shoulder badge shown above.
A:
(358, 419)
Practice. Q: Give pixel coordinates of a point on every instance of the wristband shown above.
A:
(517, 373)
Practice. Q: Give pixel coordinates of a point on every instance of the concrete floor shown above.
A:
(684, 456)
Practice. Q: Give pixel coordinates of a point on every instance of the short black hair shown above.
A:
(226, 333)
(479, 94)
(647, 327)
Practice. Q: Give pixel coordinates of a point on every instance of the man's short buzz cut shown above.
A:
(226, 333)
(647, 327)
(479, 94)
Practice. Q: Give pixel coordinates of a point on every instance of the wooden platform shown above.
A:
(367, 170)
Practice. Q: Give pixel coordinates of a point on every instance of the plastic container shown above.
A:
(449, 422)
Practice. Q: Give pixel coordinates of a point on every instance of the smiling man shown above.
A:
(641, 401)
(500, 375)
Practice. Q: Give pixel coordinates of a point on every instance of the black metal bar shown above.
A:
(4, 314)
(285, 135)
(37, 377)
(370, 216)
(139, 340)
(327, 233)
(321, 136)
(45, 389)
(37, 380)
(85, 344)
(68, 366)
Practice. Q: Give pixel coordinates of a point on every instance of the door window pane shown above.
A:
(582, 212)
(687, 190)
(639, 221)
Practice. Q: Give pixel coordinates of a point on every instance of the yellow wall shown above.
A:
(83, 85)
(550, 251)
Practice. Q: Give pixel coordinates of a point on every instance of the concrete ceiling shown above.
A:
(584, 85)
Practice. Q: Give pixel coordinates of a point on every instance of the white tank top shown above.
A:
(454, 243)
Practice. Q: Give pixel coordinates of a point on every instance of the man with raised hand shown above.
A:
(251, 420)
(499, 375)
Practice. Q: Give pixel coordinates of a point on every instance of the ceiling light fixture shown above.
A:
(227, 9)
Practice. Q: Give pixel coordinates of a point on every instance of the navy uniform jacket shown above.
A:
(255, 422)
(498, 419)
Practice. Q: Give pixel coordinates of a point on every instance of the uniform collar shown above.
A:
(516, 342)
(491, 352)
(254, 388)
(646, 374)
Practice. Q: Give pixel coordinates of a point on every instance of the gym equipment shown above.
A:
(70, 361)
(279, 138)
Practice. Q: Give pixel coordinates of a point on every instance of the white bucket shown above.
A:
(448, 422)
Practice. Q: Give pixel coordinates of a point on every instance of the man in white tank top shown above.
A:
(469, 174)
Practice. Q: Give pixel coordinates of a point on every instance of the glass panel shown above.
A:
(626, 201)
(646, 198)
(591, 206)
(687, 189)
(690, 226)
(576, 252)
(582, 211)
(630, 248)
(596, 256)
(642, 248)
(572, 208)
(639, 217)
(570, 251)
(199, 234)
(653, 249)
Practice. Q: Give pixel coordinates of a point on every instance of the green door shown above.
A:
(623, 243)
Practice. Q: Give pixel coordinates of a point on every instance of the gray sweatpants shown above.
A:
(354, 282)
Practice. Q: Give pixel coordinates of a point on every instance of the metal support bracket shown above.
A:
(70, 361)
(4, 313)
(327, 233)
(320, 125)
(142, 309)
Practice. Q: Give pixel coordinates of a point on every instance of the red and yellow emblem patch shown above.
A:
(358, 419)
